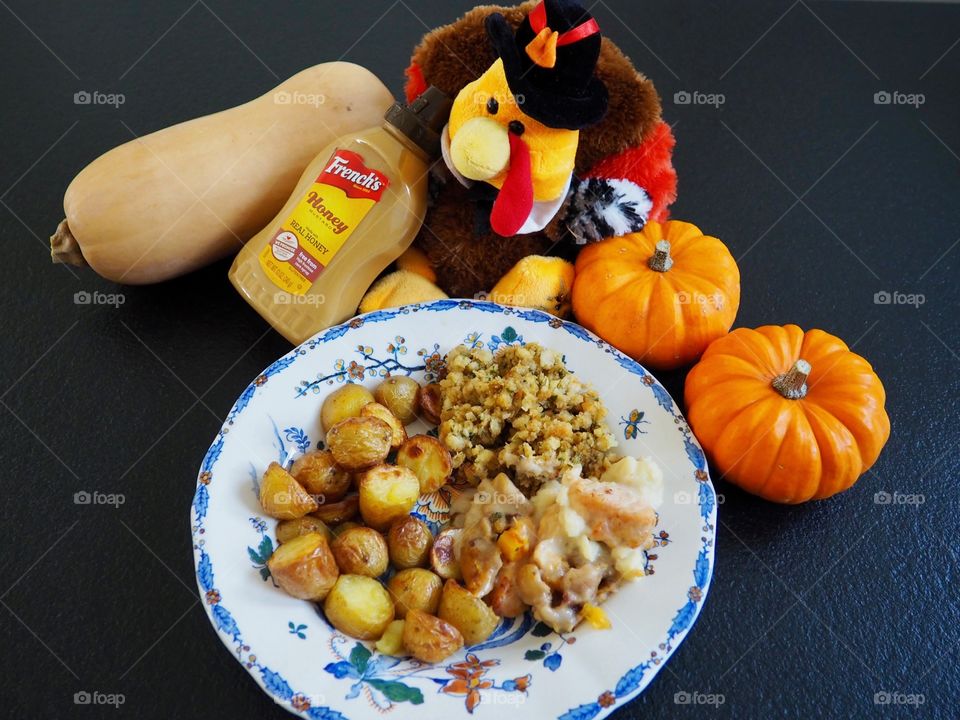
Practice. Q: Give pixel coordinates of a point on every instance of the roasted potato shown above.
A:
(287, 530)
(360, 551)
(391, 642)
(359, 606)
(377, 410)
(343, 527)
(400, 395)
(443, 557)
(282, 497)
(409, 542)
(415, 589)
(429, 460)
(343, 403)
(431, 403)
(320, 476)
(338, 512)
(386, 493)
(475, 620)
(429, 638)
(359, 442)
(304, 567)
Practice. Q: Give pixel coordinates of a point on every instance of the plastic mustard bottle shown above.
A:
(357, 207)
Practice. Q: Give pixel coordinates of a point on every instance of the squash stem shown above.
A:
(793, 383)
(661, 260)
(64, 247)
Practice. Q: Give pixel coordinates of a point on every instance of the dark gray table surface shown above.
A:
(824, 196)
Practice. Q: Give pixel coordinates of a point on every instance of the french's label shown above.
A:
(321, 222)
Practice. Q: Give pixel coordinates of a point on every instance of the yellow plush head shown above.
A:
(484, 113)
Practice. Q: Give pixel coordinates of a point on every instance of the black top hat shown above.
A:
(565, 94)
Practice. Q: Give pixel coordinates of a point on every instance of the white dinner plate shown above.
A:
(316, 672)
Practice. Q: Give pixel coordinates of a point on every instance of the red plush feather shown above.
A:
(649, 165)
(416, 83)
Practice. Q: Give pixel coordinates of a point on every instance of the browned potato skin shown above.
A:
(428, 459)
(359, 606)
(386, 493)
(342, 403)
(475, 620)
(304, 567)
(381, 412)
(431, 403)
(443, 561)
(287, 530)
(409, 542)
(415, 589)
(320, 476)
(340, 511)
(429, 638)
(358, 443)
(360, 551)
(343, 527)
(400, 395)
(282, 497)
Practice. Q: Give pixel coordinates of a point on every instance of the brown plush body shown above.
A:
(466, 261)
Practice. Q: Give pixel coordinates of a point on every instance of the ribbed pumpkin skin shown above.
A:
(662, 319)
(787, 451)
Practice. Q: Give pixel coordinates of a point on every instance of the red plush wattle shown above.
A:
(650, 166)
(515, 199)
(416, 83)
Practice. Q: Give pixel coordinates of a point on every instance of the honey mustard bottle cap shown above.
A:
(423, 119)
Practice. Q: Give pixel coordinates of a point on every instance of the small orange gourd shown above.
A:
(660, 295)
(785, 414)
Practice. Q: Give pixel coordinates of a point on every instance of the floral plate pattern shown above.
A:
(316, 672)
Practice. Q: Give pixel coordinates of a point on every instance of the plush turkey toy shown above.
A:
(554, 140)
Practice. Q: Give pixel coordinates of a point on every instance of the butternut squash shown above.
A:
(170, 202)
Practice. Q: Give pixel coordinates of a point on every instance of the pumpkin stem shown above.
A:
(793, 383)
(661, 260)
(64, 247)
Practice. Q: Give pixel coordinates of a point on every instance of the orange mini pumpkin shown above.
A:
(785, 414)
(660, 295)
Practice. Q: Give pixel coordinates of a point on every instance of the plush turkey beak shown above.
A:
(480, 150)
(515, 199)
